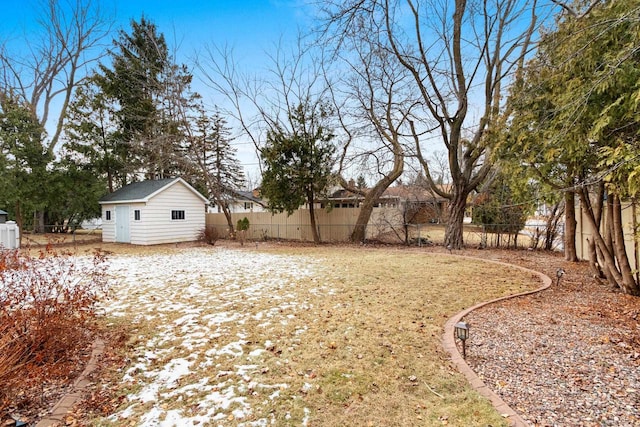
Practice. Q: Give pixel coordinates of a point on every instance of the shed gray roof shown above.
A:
(143, 190)
(3, 212)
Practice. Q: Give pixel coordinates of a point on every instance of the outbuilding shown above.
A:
(153, 212)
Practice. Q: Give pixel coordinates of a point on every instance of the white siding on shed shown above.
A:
(149, 220)
(108, 225)
(156, 226)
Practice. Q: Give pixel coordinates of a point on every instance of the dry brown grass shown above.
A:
(371, 351)
(375, 344)
(61, 239)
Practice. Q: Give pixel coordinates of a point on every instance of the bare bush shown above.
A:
(209, 235)
(47, 307)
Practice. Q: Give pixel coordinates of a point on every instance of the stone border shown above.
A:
(449, 344)
(65, 405)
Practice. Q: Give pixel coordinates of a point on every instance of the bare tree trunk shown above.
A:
(636, 242)
(19, 220)
(227, 215)
(312, 218)
(570, 252)
(552, 225)
(608, 235)
(597, 213)
(610, 266)
(453, 236)
(629, 284)
(371, 197)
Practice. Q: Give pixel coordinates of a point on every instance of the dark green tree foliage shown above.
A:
(148, 90)
(24, 177)
(92, 141)
(73, 193)
(501, 211)
(298, 162)
(575, 121)
(214, 158)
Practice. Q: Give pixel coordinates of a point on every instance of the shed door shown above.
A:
(122, 224)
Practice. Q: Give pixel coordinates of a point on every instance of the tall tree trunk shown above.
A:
(570, 252)
(608, 230)
(371, 197)
(227, 214)
(312, 218)
(597, 213)
(110, 180)
(629, 284)
(19, 220)
(359, 232)
(608, 257)
(552, 226)
(453, 235)
(636, 242)
(38, 222)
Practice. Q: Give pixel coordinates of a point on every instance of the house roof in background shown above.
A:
(248, 195)
(405, 192)
(144, 190)
(3, 212)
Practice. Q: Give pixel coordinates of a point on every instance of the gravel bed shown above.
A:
(568, 356)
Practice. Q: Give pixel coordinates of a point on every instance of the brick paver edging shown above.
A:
(65, 405)
(449, 344)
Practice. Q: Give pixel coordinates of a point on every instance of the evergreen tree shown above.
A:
(216, 165)
(503, 207)
(24, 176)
(73, 192)
(298, 163)
(92, 140)
(149, 92)
(575, 122)
(361, 182)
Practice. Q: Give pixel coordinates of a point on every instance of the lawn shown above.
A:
(283, 335)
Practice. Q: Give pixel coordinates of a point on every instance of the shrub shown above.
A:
(47, 308)
(241, 227)
(208, 235)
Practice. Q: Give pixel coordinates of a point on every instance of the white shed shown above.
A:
(153, 212)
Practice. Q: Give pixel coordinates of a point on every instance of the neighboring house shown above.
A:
(247, 201)
(153, 212)
(418, 205)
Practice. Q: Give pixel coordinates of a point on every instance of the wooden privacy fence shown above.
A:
(334, 226)
(631, 229)
(385, 224)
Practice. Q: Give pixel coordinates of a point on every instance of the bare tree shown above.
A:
(289, 101)
(50, 64)
(55, 59)
(375, 105)
(460, 55)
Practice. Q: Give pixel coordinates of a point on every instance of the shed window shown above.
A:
(136, 215)
(248, 205)
(107, 215)
(177, 215)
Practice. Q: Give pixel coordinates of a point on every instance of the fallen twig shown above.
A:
(433, 391)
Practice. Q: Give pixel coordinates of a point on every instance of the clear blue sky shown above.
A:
(250, 27)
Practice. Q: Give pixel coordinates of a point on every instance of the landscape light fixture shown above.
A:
(462, 333)
(559, 274)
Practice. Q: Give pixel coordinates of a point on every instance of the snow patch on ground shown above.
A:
(190, 369)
